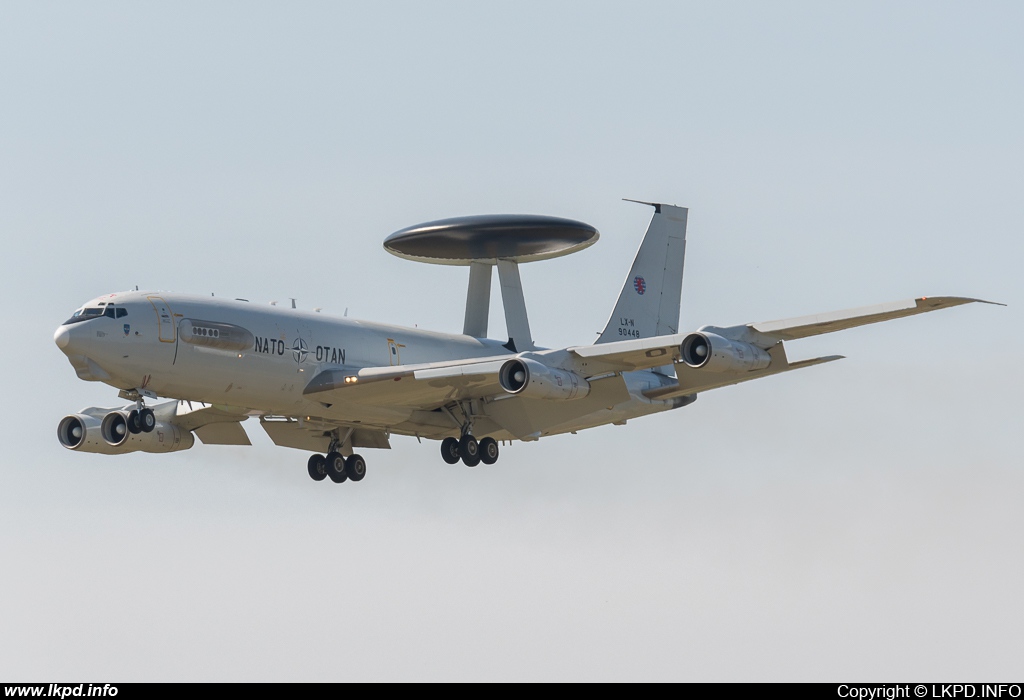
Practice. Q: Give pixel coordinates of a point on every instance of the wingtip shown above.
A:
(944, 300)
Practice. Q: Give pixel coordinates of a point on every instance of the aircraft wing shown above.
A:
(806, 326)
(425, 386)
(646, 353)
(431, 385)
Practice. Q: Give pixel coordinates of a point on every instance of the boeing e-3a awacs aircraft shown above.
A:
(329, 385)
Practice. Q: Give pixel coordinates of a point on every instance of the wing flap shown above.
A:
(628, 355)
(188, 417)
(420, 386)
(222, 434)
(314, 435)
(694, 381)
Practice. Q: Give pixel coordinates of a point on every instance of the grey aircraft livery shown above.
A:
(329, 385)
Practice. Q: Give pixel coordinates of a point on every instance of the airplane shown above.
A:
(329, 385)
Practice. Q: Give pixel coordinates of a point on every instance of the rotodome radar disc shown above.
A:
(467, 239)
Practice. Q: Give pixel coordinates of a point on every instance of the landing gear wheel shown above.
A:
(317, 467)
(147, 421)
(469, 450)
(133, 423)
(336, 467)
(450, 450)
(355, 467)
(488, 451)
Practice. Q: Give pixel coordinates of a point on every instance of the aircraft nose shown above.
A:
(62, 337)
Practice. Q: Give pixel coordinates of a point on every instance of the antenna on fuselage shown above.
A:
(293, 301)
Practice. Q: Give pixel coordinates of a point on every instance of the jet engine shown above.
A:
(87, 432)
(714, 353)
(531, 379)
(164, 437)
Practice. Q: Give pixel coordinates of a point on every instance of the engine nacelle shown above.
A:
(85, 432)
(714, 353)
(531, 379)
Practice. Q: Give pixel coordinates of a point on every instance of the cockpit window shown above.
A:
(84, 315)
(108, 310)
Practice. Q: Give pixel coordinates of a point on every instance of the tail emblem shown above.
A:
(639, 285)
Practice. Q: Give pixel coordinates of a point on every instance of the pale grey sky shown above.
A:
(857, 521)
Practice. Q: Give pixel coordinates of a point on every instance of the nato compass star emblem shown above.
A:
(640, 285)
(299, 350)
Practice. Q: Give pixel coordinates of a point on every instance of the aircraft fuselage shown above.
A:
(261, 358)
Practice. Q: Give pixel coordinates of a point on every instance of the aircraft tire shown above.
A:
(147, 421)
(317, 467)
(336, 467)
(133, 422)
(450, 450)
(488, 450)
(355, 467)
(469, 449)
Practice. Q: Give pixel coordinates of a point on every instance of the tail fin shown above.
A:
(649, 302)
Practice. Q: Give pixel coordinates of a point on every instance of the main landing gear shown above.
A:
(336, 466)
(471, 451)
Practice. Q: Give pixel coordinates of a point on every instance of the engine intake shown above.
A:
(74, 432)
(532, 379)
(714, 353)
(114, 428)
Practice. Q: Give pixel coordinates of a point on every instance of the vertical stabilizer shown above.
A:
(649, 302)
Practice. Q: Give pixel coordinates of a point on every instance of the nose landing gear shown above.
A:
(140, 419)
